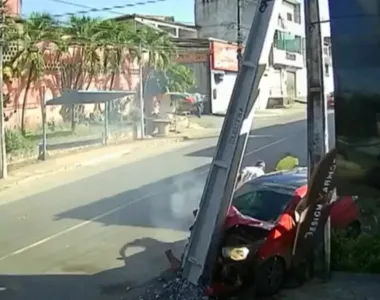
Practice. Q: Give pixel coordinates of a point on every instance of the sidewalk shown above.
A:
(261, 117)
(74, 159)
(206, 127)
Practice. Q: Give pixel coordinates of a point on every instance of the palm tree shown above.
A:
(81, 49)
(155, 49)
(179, 78)
(82, 36)
(38, 27)
(118, 37)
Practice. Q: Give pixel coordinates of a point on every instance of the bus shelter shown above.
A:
(78, 97)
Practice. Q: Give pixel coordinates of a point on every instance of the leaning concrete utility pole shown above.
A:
(3, 158)
(218, 192)
(239, 39)
(317, 129)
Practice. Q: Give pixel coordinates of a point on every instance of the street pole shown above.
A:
(141, 87)
(204, 244)
(239, 34)
(317, 129)
(4, 167)
(43, 114)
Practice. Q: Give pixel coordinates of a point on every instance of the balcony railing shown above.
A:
(286, 58)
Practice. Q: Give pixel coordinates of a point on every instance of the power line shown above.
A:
(110, 8)
(101, 9)
(83, 6)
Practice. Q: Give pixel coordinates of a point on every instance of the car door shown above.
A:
(282, 237)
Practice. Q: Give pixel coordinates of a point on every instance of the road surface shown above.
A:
(95, 232)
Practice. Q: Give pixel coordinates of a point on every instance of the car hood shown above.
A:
(234, 217)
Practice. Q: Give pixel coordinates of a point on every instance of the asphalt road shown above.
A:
(97, 231)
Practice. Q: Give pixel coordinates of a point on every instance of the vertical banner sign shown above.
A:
(314, 209)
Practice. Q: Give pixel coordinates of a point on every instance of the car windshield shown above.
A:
(262, 202)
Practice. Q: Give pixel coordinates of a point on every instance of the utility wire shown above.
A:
(110, 8)
(83, 6)
(229, 25)
(101, 9)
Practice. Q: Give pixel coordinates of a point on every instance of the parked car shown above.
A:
(330, 100)
(260, 232)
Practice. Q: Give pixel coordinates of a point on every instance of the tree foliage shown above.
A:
(84, 48)
(179, 78)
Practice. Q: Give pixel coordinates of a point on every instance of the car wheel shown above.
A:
(270, 276)
(353, 230)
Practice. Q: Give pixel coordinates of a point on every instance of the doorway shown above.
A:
(291, 89)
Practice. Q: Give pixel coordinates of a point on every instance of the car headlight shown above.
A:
(235, 253)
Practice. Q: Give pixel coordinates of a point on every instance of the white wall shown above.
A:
(324, 16)
(325, 32)
(223, 89)
(218, 18)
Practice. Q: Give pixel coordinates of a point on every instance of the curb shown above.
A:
(93, 161)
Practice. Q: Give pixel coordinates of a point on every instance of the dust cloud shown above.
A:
(174, 209)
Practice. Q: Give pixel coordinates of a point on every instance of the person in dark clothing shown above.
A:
(199, 109)
(198, 105)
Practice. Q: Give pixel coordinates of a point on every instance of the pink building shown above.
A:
(15, 90)
(50, 82)
(13, 7)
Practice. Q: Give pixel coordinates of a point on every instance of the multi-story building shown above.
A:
(285, 76)
(326, 37)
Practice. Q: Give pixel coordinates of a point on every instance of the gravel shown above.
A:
(180, 289)
(169, 286)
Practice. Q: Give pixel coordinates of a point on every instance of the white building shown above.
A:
(326, 34)
(285, 76)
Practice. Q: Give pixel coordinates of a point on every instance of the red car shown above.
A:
(260, 231)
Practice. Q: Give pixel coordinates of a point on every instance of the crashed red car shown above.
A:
(260, 231)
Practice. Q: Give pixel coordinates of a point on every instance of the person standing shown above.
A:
(198, 105)
(156, 107)
(287, 162)
(251, 172)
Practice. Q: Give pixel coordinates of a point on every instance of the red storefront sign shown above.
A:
(224, 56)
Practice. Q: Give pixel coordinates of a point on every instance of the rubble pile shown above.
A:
(181, 289)
(173, 289)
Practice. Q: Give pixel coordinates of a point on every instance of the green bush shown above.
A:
(15, 141)
(360, 255)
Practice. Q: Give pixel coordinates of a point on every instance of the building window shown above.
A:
(327, 70)
(287, 41)
(289, 16)
(297, 13)
(280, 22)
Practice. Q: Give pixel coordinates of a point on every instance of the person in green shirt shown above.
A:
(287, 162)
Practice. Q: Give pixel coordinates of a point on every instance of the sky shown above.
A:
(182, 13)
